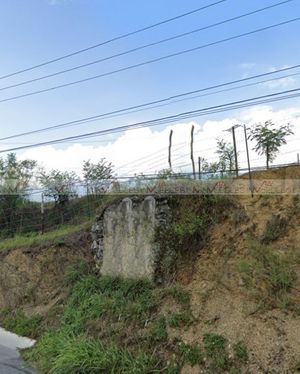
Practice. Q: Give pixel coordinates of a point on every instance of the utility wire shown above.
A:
(158, 59)
(289, 94)
(113, 113)
(144, 46)
(113, 39)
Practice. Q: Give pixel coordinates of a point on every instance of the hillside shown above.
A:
(229, 301)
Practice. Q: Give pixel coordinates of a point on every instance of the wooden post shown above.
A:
(43, 213)
(199, 167)
(235, 152)
(248, 161)
(170, 149)
(192, 152)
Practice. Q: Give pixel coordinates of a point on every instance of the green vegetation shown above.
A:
(29, 239)
(111, 325)
(241, 352)
(158, 331)
(18, 323)
(180, 319)
(276, 227)
(215, 347)
(269, 274)
(190, 353)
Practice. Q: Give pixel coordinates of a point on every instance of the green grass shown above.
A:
(269, 274)
(18, 323)
(110, 325)
(215, 347)
(158, 331)
(27, 240)
(64, 353)
(191, 353)
(180, 319)
(241, 352)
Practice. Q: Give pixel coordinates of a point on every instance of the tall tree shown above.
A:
(269, 139)
(15, 178)
(97, 175)
(60, 185)
(226, 155)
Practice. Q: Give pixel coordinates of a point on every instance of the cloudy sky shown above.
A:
(36, 31)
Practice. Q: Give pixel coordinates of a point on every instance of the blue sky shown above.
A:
(34, 31)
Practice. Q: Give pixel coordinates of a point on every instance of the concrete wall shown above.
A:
(124, 238)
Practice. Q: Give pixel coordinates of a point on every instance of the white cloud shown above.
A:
(146, 150)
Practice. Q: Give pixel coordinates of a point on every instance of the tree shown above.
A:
(60, 185)
(226, 155)
(15, 178)
(269, 139)
(97, 175)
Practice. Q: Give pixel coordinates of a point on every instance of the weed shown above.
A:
(241, 352)
(76, 272)
(21, 325)
(215, 347)
(158, 331)
(177, 293)
(270, 274)
(190, 353)
(275, 228)
(61, 353)
(180, 319)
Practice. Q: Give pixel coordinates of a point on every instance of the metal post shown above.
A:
(43, 213)
(298, 160)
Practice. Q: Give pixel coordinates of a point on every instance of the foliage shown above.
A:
(158, 331)
(99, 317)
(190, 353)
(18, 323)
(180, 319)
(215, 347)
(15, 177)
(63, 353)
(269, 139)
(276, 227)
(226, 155)
(269, 274)
(241, 352)
(97, 175)
(25, 240)
(59, 185)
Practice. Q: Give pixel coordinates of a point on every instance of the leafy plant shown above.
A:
(215, 347)
(269, 139)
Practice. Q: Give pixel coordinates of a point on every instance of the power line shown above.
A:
(115, 112)
(144, 46)
(158, 59)
(289, 94)
(113, 39)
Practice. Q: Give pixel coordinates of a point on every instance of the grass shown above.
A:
(64, 353)
(110, 325)
(241, 352)
(19, 324)
(191, 353)
(27, 240)
(269, 274)
(180, 319)
(215, 347)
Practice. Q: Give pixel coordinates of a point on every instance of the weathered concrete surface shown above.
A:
(128, 239)
(10, 359)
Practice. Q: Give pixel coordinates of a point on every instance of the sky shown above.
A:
(35, 31)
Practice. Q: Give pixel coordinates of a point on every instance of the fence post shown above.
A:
(192, 152)
(170, 149)
(42, 213)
